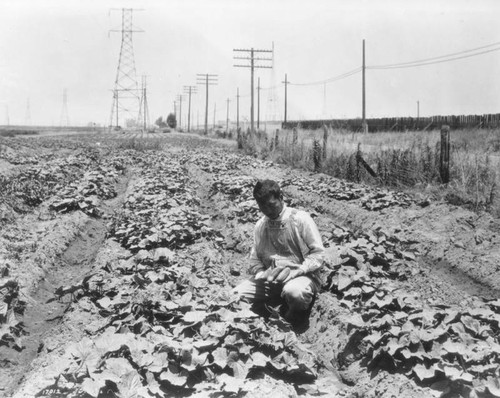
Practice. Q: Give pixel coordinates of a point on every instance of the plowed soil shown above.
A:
(457, 260)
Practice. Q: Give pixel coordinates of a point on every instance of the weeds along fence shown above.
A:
(392, 159)
(402, 123)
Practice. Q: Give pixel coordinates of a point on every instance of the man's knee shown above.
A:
(256, 291)
(299, 293)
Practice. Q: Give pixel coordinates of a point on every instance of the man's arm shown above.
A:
(312, 238)
(255, 264)
(313, 251)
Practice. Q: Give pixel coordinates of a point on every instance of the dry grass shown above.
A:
(405, 160)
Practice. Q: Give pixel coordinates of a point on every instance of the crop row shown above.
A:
(446, 348)
(168, 330)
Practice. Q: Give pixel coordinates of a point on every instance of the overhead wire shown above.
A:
(330, 79)
(426, 61)
(440, 59)
(410, 64)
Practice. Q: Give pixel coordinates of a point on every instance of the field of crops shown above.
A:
(118, 254)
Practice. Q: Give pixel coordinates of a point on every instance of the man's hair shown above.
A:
(266, 188)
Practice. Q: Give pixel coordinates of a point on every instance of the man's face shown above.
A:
(271, 206)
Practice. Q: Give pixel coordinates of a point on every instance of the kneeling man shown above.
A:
(286, 256)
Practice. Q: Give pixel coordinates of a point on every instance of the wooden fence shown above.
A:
(402, 123)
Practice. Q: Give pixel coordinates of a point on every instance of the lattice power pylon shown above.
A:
(64, 111)
(143, 118)
(126, 94)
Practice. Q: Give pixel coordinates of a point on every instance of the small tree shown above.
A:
(172, 121)
(130, 123)
(160, 122)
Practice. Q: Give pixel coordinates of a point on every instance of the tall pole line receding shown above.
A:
(251, 57)
(189, 90)
(208, 80)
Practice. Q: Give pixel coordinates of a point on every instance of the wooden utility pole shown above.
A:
(258, 103)
(207, 80)
(286, 84)
(180, 98)
(215, 107)
(364, 125)
(238, 108)
(252, 66)
(227, 116)
(189, 90)
(444, 159)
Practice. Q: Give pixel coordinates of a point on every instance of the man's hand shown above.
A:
(294, 273)
(262, 274)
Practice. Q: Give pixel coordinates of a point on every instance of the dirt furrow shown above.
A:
(45, 311)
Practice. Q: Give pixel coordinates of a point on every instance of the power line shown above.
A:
(421, 62)
(330, 79)
(439, 59)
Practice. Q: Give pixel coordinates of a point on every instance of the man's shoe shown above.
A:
(299, 320)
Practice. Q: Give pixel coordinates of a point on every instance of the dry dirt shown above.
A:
(458, 260)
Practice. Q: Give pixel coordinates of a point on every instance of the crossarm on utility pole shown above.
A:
(252, 59)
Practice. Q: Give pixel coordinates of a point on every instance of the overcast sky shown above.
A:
(47, 46)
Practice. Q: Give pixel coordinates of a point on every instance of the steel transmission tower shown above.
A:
(126, 94)
(64, 111)
(143, 118)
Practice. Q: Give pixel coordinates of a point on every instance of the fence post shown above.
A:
(239, 138)
(316, 155)
(444, 159)
(276, 139)
(325, 140)
(295, 136)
